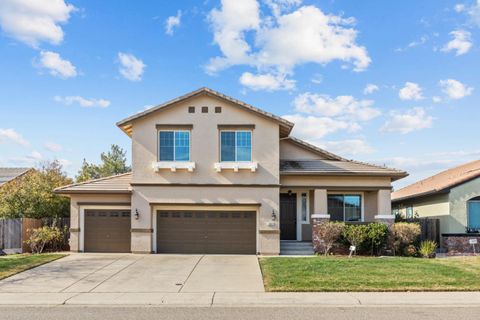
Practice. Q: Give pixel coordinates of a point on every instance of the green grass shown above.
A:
(370, 274)
(12, 264)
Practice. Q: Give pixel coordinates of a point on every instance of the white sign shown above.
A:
(472, 241)
(353, 248)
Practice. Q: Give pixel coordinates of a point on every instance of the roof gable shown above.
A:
(9, 174)
(440, 182)
(285, 125)
(113, 184)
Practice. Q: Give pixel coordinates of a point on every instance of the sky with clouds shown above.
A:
(388, 82)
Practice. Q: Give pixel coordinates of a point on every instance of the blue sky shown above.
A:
(389, 82)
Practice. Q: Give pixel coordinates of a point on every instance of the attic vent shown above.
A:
(191, 109)
(218, 109)
(204, 109)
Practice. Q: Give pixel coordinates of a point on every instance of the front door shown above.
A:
(288, 216)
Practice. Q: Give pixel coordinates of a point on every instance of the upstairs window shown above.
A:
(174, 146)
(235, 146)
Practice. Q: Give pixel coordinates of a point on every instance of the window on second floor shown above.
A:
(236, 146)
(174, 145)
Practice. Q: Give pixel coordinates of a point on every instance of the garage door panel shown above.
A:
(206, 232)
(107, 231)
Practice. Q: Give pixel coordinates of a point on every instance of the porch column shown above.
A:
(320, 215)
(384, 207)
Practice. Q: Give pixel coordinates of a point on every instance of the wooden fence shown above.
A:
(430, 228)
(14, 232)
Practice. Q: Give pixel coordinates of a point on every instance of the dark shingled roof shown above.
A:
(8, 174)
(337, 167)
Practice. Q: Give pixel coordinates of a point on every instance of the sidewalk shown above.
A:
(223, 299)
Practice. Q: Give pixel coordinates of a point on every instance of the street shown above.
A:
(212, 313)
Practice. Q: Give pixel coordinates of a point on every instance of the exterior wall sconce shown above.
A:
(274, 216)
(289, 192)
(137, 214)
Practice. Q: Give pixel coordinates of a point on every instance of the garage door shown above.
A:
(107, 231)
(206, 232)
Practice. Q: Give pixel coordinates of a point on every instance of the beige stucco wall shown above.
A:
(100, 200)
(291, 151)
(267, 197)
(205, 144)
(370, 203)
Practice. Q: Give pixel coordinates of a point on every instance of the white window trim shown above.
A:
(236, 165)
(299, 206)
(82, 219)
(175, 164)
(362, 209)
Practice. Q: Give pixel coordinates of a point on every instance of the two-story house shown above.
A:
(212, 174)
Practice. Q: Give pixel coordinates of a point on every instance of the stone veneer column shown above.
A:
(320, 215)
(384, 207)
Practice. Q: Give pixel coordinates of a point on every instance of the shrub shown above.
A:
(377, 235)
(428, 249)
(404, 234)
(327, 234)
(355, 234)
(410, 251)
(42, 237)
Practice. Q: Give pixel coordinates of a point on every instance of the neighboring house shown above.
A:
(10, 174)
(453, 196)
(211, 174)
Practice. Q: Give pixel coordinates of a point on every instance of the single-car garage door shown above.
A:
(210, 232)
(107, 231)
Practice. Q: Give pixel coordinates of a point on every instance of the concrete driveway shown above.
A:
(127, 273)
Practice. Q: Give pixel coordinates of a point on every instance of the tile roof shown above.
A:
(337, 167)
(285, 125)
(439, 182)
(8, 174)
(113, 184)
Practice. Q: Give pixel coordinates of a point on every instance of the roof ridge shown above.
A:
(92, 180)
(375, 165)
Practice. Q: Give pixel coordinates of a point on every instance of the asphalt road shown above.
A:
(264, 313)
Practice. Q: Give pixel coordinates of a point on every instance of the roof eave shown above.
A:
(323, 173)
(68, 192)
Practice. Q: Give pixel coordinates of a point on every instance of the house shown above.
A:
(212, 174)
(453, 196)
(10, 174)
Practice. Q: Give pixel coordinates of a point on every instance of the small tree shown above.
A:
(404, 234)
(32, 196)
(43, 237)
(377, 235)
(113, 162)
(327, 234)
(355, 234)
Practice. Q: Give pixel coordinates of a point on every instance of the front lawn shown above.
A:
(15, 263)
(370, 274)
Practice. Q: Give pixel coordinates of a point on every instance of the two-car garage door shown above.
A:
(210, 232)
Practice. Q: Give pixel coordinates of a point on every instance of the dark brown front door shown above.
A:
(210, 232)
(288, 216)
(107, 231)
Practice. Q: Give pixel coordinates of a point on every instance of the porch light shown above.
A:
(137, 214)
(274, 216)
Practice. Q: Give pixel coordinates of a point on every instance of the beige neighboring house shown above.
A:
(212, 174)
(453, 196)
(10, 174)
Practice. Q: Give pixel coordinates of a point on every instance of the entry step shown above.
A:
(296, 248)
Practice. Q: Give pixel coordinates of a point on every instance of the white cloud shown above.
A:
(348, 147)
(436, 99)
(172, 22)
(454, 89)
(314, 128)
(461, 42)
(52, 146)
(472, 11)
(370, 88)
(131, 67)
(10, 135)
(83, 102)
(459, 7)
(268, 82)
(343, 107)
(317, 78)
(411, 91)
(55, 65)
(412, 120)
(36, 21)
(423, 39)
(281, 42)
(65, 162)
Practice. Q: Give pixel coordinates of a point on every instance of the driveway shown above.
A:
(127, 273)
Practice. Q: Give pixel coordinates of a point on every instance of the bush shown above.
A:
(327, 234)
(355, 234)
(428, 249)
(377, 235)
(43, 237)
(404, 234)
(410, 251)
